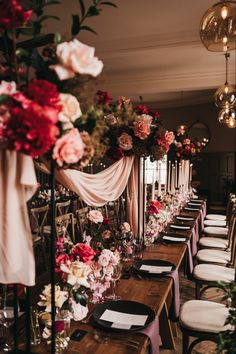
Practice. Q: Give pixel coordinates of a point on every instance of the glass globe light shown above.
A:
(226, 114)
(231, 122)
(218, 27)
(225, 96)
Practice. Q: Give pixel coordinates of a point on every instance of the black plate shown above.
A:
(153, 262)
(194, 206)
(125, 306)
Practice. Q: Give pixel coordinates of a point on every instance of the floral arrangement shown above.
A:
(183, 147)
(127, 130)
(155, 217)
(37, 116)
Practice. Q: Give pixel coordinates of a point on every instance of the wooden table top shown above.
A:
(152, 292)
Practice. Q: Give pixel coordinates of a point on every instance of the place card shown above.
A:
(155, 269)
(170, 238)
(182, 227)
(120, 326)
(123, 318)
(184, 218)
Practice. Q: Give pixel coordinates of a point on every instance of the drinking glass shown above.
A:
(117, 270)
(7, 320)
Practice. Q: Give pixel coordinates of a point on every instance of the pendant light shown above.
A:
(218, 27)
(225, 96)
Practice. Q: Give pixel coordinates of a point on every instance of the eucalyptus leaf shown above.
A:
(82, 7)
(48, 17)
(86, 28)
(93, 11)
(108, 3)
(4, 99)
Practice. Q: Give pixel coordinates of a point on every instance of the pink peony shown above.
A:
(125, 141)
(142, 126)
(69, 148)
(95, 216)
(76, 58)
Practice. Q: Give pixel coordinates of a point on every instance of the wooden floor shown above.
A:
(187, 293)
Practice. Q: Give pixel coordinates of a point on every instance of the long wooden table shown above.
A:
(155, 293)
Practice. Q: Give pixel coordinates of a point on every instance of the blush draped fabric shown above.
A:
(17, 185)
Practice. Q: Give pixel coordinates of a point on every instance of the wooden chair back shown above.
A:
(62, 207)
(65, 226)
(39, 216)
(81, 215)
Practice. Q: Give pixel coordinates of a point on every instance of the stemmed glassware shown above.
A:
(117, 271)
(7, 319)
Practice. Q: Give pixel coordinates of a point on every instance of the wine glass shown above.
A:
(7, 320)
(117, 270)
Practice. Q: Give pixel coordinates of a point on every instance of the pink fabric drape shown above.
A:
(17, 185)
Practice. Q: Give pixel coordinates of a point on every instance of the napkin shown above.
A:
(152, 331)
(174, 239)
(181, 227)
(175, 304)
(185, 218)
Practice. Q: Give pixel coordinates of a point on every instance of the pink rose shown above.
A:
(7, 88)
(125, 227)
(78, 311)
(70, 110)
(76, 58)
(104, 259)
(95, 216)
(69, 148)
(125, 141)
(142, 126)
(61, 259)
(111, 119)
(186, 141)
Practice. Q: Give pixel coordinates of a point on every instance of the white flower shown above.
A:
(60, 297)
(70, 110)
(78, 311)
(76, 57)
(77, 273)
(7, 88)
(125, 227)
(95, 216)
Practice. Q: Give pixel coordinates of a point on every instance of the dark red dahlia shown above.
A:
(30, 131)
(12, 14)
(43, 92)
(141, 109)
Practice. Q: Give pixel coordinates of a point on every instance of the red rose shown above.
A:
(61, 259)
(106, 221)
(154, 207)
(141, 109)
(12, 14)
(84, 252)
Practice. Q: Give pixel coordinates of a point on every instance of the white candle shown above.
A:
(153, 185)
(176, 174)
(173, 180)
(180, 175)
(159, 179)
(169, 172)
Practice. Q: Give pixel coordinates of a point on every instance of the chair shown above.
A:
(221, 257)
(81, 215)
(203, 320)
(65, 226)
(62, 207)
(220, 217)
(39, 218)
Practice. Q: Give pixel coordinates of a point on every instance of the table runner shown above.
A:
(152, 331)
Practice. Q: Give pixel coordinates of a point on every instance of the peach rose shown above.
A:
(95, 216)
(76, 58)
(125, 141)
(186, 141)
(70, 110)
(125, 227)
(69, 148)
(169, 137)
(142, 126)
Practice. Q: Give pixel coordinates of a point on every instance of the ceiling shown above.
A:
(152, 49)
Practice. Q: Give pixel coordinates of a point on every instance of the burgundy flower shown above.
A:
(84, 252)
(12, 14)
(59, 326)
(106, 221)
(43, 92)
(155, 115)
(30, 131)
(141, 109)
(103, 98)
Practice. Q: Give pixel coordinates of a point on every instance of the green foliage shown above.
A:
(227, 339)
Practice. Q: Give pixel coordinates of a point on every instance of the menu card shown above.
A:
(122, 318)
(170, 238)
(155, 269)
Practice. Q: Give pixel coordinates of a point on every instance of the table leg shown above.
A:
(166, 334)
